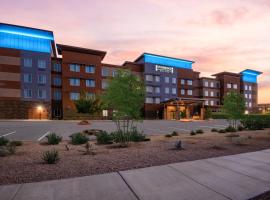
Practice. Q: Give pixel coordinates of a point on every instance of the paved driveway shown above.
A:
(36, 130)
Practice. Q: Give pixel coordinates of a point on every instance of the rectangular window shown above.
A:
(149, 100)
(182, 81)
(74, 68)
(173, 90)
(249, 96)
(249, 88)
(57, 95)
(157, 100)
(173, 80)
(57, 81)
(157, 90)
(234, 86)
(246, 87)
(167, 90)
(105, 72)
(74, 96)
(57, 67)
(206, 83)
(89, 69)
(167, 79)
(42, 64)
(148, 77)
(212, 103)
(41, 94)
(229, 85)
(211, 93)
(189, 82)
(41, 79)
(190, 92)
(149, 89)
(105, 113)
(27, 93)
(212, 84)
(104, 84)
(74, 82)
(90, 83)
(206, 102)
(27, 62)
(27, 78)
(246, 95)
(250, 104)
(182, 91)
(206, 93)
(157, 78)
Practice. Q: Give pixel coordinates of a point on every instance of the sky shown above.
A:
(219, 35)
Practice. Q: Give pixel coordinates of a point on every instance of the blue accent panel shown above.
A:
(250, 75)
(25, 38)
(172, 62)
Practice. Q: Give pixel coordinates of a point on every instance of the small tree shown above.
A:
(125, 94)
(234, 107)
(208, 113)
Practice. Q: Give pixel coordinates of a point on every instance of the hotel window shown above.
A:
(157, 100)
(212, 103)
(57, 67)
(212, 93)
(229, 85)
(182, 91)
(148, 77)
(89, 69)
(189, 92)
(57, 95)
(105, 72)
(157, 78)
(246, 95)
(246, 87)
(249, 96)
(167, 90)
(74, 82)
(57, 81)
(90, 95)
(206, 93)
(157, 90)
(105, 113)
(173, 80)
(173, 90)
(41, 79)
(74, 96)
(42, 64)
(189, 82)
(206, 83)
(206, 102)
(90, 83)
(149, 89)
(249, 88)
(27, 78)
(27, 62)
(27, 93)
(167, 79)
(182, 81)
(104, 84)
(212, 84)
(149, 100)
(41, 94)
(246, 104)
(250, 104)
(74, 68)
(234, 86)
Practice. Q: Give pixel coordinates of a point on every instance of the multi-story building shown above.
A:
(42, 79)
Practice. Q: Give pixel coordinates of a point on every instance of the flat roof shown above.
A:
(227, 73)
(145, 53)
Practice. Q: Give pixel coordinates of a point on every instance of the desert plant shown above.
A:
(230, 129)
(4, 151)
(199, 131)
(168, 135)
(192, 133)
(214, 130)
(89, 149)
(3, 141)
(240, 128)
(16, 143)
(136, 136)
(85, 104)
(174, 133)
(78, 138)
(53, 139)
(222, 131)
(179, 145)
(104, 138)
(50, 157)
(67, 147)
(121, 137)
(11, 148)
(256, 122)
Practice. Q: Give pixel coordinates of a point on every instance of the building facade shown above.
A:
(40, 79)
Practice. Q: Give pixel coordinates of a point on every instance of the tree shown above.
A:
(125, 94)
(208, 113)
(234, 107)
(90, 105)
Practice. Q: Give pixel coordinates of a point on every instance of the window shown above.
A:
(42, 64)
(234, 86)
(104, 84)
(74, 68)
(212, 103)
(157, 100)
(157, 90)
(41, 79)
(250, 104)
(27, 62)
(211, 93)
(206, 102)
(173, 80)
(57, 95)
(206, 83)
(148, 77)
(189, 92)
(41, 94)
(149, 89)
(74, 82)
(27, 93)
(27, 78)
(212, 84)
(249, 96)
(182, 91)
(90, 95)
(246, 87)
(57, 81)
(229, 85)
(74, 96)
(167, 79)
(105, 113)
(167, 90)
(246, 95)
(157, 78)
(57, 67)
(114, 73)
(149, 100)
(206, 93)
(189, 82)
(182, 81)
(249, 88)
(90, 83)
(89, 69)
(173, 90)
(105, 71)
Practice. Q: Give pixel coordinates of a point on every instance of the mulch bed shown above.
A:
(27, 166)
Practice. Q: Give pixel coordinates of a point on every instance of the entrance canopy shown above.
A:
(184, 101)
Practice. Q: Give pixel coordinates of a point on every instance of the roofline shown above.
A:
(82, 50)
(129, 62)
(183, 98)
(162, 56)
(258, 72)
(227, 73)
(38, 29)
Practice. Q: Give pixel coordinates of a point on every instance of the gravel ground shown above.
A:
(27, 166)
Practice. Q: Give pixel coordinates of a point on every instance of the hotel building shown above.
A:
(36, 72)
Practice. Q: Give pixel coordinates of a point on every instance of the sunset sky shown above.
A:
(219, 35)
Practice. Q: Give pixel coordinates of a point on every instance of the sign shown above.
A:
(160, 68)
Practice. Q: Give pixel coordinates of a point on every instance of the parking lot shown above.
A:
(37, 130)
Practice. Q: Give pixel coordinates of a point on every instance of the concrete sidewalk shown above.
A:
(241, 176)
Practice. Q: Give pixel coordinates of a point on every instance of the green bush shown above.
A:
(230, 129)
(219, 115)
(16, 143)
(50, 157)
(214, 130)
(256, 122)
(78, 138)
(199, 131)
(192, 133)
(104, 138)
(121, 137)
(240, 128)
(222, 131)
(168, 135)
(4, 151)
(3, 141)
(136, 136)
(53, 139)
(174, 133)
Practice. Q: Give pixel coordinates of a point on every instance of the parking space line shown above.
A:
(43, 136)
(181, 129)
(8, 134)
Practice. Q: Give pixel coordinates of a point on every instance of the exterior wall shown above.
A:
(250, 92)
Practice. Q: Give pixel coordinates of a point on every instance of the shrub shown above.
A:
(230, 129)
(174, 133)
(192, 133)
(168, 135)
(199, 131)
(3, 141)
(4, 151)
(214, 130)
(11, 148)
(136, 136)
(256, 122)
(79, 138)
(89, 149)
(121, 137)
(53, 139)
(16, 143)
(219, 115)
(50, 157)
(104, 138)
(240, 128)
(179, 145)
(147, 139)
(222, 131)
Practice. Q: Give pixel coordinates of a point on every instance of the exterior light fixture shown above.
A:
(39, 109)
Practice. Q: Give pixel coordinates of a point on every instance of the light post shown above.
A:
(39, 108)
